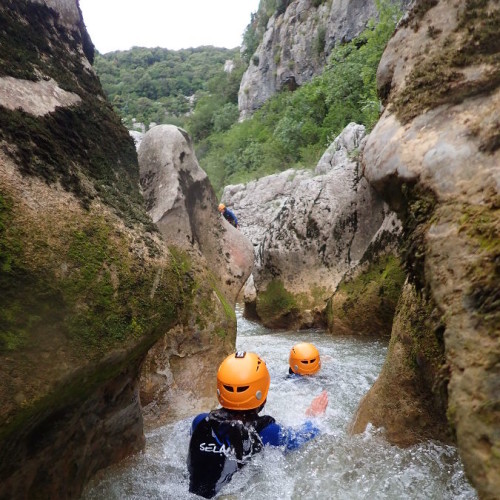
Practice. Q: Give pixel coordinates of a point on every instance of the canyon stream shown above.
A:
(335, 465)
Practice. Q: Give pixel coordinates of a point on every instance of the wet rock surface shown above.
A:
(432, 157)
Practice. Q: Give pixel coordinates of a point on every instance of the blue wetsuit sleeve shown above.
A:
(231, 216)
(273, 435)
(197, 420)
(276, 435)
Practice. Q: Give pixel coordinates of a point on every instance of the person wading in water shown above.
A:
(223, 440)
(304, 359)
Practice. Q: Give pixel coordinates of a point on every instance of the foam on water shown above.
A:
(336, 465)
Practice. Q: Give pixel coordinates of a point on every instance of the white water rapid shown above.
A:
(334, 466)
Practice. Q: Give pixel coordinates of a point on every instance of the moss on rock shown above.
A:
(94, 291)
(482, 226)
(409, 398)
(276, 305)
(49, 50)
(87, 285)
(439, 78)
(366, 304)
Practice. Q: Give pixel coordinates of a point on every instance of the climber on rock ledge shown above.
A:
(228, 215)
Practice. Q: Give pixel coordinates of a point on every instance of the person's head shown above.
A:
(243, 382)
(222, 207)
(304, 359)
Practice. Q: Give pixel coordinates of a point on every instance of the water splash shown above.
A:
(334, 466)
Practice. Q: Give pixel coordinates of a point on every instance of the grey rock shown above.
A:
(310, 229)
(440, 170)
(288, 55)
(182, 203)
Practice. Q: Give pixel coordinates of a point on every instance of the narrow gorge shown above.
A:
(119, 280)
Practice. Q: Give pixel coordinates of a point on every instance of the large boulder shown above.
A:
(183, 205)
(434, 157)
(319, 227)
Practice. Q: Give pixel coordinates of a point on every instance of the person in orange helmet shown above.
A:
(228, 215)
(304, 359)
(223, 440)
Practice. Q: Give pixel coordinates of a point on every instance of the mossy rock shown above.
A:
(366, 304)
(409, 398)
(276, 306)
(78, 288)
(440, 78)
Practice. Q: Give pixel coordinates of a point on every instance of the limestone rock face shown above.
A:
(87, 282)
(318, 227)
(434, 156)
(182, 203)
(258, 203)
(420, 412)
(296, 45)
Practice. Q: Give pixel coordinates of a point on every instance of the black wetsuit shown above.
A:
(221, 443)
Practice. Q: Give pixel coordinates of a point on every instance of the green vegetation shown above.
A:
(293, 129)
(275, 302)
(99, 300)
(372, 294)
(155, 85)
(481, 225)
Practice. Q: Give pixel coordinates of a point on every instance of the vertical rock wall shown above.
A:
(179, 372)
(434, 156)
(315, 230)
(87, 282)
(296, 46)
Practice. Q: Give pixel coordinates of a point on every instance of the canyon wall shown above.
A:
(434, 157)
(315, 230)
(88, 283)
(296, 44)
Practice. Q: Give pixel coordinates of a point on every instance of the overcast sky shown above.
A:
(171, 24)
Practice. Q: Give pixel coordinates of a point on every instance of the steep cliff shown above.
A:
(434, 157)
(296, 45)
(87, 283)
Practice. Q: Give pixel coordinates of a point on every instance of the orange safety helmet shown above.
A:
(221, 207)
(304, 359)
(242, 381)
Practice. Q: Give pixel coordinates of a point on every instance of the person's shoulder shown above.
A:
(270, 432)
(197, 420)
(265, 420)
(295, 376)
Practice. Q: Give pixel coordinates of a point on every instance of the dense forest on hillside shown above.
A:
(291, 130)
(155, 85)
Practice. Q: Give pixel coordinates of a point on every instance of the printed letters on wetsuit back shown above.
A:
(219, 447)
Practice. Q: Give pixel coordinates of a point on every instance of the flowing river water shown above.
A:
(334, 466)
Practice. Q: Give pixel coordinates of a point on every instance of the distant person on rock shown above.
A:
(223, 440)
(304, 359)
(228, 215)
